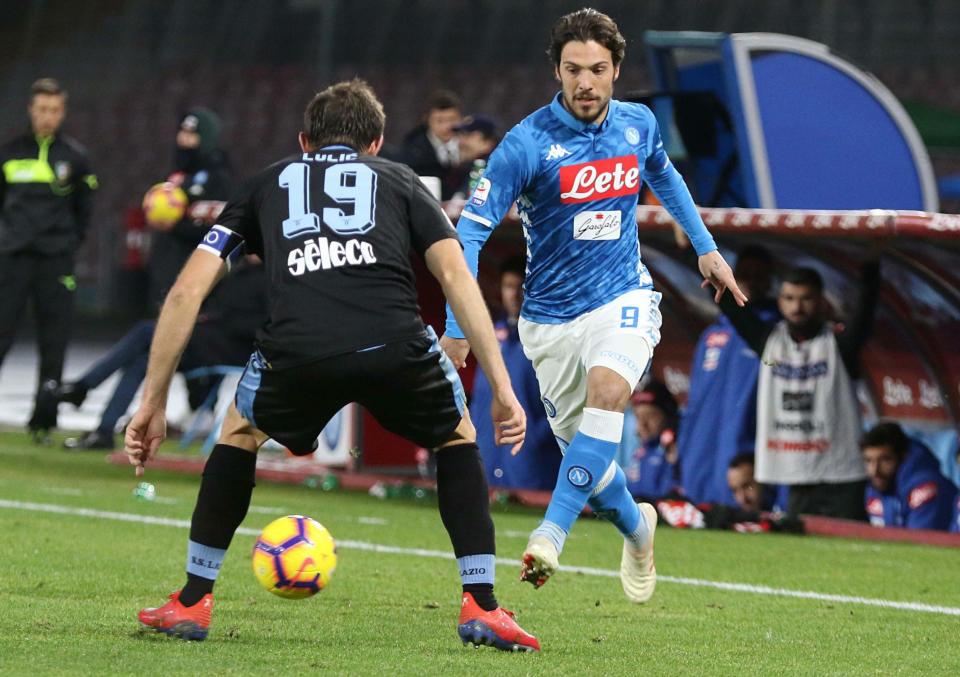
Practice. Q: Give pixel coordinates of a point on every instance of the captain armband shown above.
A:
(222, 242)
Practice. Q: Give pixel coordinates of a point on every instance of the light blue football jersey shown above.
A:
(576, 187)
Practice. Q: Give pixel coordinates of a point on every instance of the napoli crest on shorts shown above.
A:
(548, 407)
(579, 476)
(632, 135)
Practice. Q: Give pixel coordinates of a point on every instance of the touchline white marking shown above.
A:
(440, 554)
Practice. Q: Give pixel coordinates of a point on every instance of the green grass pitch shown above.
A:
(71, 584)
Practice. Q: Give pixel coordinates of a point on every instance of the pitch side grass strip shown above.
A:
(420, 552)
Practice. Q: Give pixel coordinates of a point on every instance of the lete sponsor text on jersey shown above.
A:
(600, 179)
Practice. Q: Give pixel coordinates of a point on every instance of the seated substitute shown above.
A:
(749, 494)
(651, 468)
(334, 226)
(906, 487)
(223, 336)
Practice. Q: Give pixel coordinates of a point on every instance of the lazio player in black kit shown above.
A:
(334, 227)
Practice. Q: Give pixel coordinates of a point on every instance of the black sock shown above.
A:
(195, 589)
(465, 510)
(482, 595)
(221, 506)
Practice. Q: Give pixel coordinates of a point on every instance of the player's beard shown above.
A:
(572, 107)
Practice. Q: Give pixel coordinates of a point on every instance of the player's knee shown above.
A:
(606, 389)
(239, 432)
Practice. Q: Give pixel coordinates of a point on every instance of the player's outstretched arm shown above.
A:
(445, 260)
(717, 272)
(148, 427)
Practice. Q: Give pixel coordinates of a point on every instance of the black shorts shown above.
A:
(411, 387)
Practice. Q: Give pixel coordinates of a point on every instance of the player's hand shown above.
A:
(146, 430)
(716, 272)
(509, 419)
(456, 349)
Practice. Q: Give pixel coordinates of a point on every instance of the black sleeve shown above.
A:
(239, 215)
(852, 339)
(748, 324)
(428, 222)
(85, 182)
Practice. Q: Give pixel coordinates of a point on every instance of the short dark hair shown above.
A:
(583, 25)
(347, 113)
(516, 264)
(48, 86)
(887, 434)
(807, 277)
(741, 459)
(443, 99)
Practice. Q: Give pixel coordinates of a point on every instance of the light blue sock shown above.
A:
(584, 463)
(477, 569)
(204, 561)
(612, 502)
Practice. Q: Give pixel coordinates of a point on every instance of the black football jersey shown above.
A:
(335, 229)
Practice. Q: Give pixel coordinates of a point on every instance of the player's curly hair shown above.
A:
(347, 113)
(583, 25)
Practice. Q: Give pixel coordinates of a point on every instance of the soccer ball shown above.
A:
(294, 557)
(164, 204)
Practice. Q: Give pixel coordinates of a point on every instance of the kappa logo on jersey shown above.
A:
(321, 253)
(600, 179)
(557, 151)
(875, 507)
(481, 193)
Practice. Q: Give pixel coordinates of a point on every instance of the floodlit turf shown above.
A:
(70, 587)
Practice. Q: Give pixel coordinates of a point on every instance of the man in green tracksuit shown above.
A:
(45, 187)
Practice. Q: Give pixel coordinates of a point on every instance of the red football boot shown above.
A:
(494, 628)
(183, 622)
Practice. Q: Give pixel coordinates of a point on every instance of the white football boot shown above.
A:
(540, 561)
(637, 573)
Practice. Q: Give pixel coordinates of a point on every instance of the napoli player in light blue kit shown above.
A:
(590, 318)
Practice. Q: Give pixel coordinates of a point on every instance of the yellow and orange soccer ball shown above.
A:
(294, 557)
(164, 204)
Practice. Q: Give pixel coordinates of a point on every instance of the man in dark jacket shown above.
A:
(45, 188)
(201, 169)
(432, 148)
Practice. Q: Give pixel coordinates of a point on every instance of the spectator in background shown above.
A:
(432, 148)
(808, 416)
(45, 189)
(651, 468)
(537, 466)
(720, 419)
(906, 487)
(202, 170)
(224, 335)
(955, 522)
(748, 494)
(477, 135)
